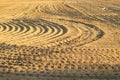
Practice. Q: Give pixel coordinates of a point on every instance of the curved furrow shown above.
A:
(16, 33)
(30, 34)
(27, 27)
(14, 28)
(51, 25)
(54, 31)
(3, 27)
(30, 31)
(60, 32)
(17, 28)
(58, 28)
(63, 30)
(6, 29)
(42, 36)
(55, 39)
(44, 29)
(36, 29)
(11, 32)
(87, 34)
(60, 9)
(48, 33)
(21, 27)
(75, 39)
(33, 31)
(10, 27)
(21, 32)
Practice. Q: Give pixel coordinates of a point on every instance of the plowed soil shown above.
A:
(59, 39)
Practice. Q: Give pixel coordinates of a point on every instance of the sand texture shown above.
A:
(59, 39)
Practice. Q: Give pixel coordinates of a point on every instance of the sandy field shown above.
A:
(59, 39)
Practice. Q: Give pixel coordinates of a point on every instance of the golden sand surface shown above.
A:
(59, 39)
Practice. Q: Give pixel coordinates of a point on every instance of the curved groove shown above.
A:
(10, 27)
(4, 27)
(56, 39)
(43, 30)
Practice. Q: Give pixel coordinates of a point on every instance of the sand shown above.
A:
(59, 39)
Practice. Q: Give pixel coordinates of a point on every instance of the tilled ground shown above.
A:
(59, 40)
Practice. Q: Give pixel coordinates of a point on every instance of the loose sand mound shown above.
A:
(59, 39)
